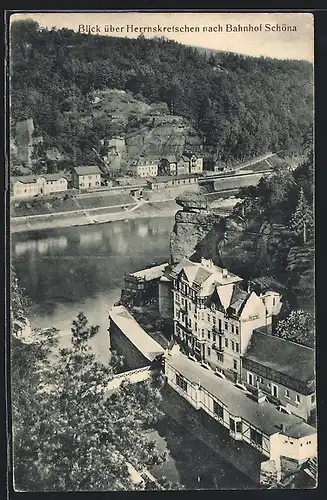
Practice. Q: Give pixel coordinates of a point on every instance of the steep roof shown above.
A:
(145, 344)
(284, 356)
(238, 299)
(90, 169)
(265, 283)
(264, 416)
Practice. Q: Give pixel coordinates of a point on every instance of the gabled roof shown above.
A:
(283, 356)
(238, 299)
(90, 169)
(27, 179)
(184, 158)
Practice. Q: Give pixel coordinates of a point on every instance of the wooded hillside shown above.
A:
(240, 106)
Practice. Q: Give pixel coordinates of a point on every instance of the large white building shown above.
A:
(214, 316)
(27, 186)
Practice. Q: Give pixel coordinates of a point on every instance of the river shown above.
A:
(64, 271)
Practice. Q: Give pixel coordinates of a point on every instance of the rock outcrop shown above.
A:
(197, 231)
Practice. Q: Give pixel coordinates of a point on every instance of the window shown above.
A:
(256, 437)
(232, 424)
(196, 326)
(287, 394)
(209, 335)
(219, 324)
(226, 342)
(214, 338)
(239, 426)
(232, 328)
(298, 399)
(274, 390)
(235, 364)
(313, 398)
(250, 378)
(181, 382)
(261, 380)
(218, 409)
(237, 347)
(236, 330)
(233, 345)
(208, 351)
(214, 320)
(202, 315)
(220, 357)
(209, 318)
(202, 333)
(226, 325)
(274, 301)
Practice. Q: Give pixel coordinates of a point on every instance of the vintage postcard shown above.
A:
(162, 315)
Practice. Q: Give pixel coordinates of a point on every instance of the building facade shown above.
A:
(162, 182)
(283, 370)
(145, 167)
(28, 186)
(253, 422)
(168, 165)
(142, 287)
(86, 177)
(214, 317)
(196, 164)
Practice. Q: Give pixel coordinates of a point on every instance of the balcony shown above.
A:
(217, 348)
(217, 331)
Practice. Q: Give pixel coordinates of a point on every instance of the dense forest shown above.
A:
(241, 106)
(275, 237)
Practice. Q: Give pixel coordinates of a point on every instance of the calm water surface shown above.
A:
(68, 270)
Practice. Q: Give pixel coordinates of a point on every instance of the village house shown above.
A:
(183, 165)
(145, 167)
(195, 164)
(27, 186)
(86, 177)
(168, 165)
(214, 316)
(167, 181)
(254, 424)
(283, 370)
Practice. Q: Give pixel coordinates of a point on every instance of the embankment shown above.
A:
(152, 208)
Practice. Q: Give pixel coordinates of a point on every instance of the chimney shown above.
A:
(283, 427)
(259, 396)
(206, 263)
(225, 273)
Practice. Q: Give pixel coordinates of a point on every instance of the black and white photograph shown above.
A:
(162, 251)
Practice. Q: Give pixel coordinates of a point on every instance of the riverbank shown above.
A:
(159, 208)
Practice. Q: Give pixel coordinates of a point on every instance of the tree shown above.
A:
(81, 332)
(69, 433)
(302, 220)
(298, 327)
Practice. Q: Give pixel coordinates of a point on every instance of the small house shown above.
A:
(86, 177)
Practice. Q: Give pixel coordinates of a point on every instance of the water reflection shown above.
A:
(70, 265)
(92, 238)
(41, 246)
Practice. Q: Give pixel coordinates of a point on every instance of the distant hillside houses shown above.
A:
(26, 186)
(154, 165)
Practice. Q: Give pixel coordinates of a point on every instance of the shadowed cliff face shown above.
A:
(197, 232)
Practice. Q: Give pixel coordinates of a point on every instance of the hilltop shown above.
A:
(235, 106)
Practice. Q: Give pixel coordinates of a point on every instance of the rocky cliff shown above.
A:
(138, 128)
(198, 230)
